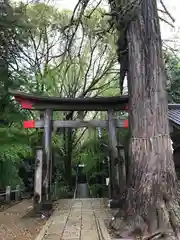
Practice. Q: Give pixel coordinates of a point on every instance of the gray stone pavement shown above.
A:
(76, 219)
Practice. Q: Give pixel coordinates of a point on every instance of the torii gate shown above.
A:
(48, 104)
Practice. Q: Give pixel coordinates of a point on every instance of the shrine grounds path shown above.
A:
(76, 219)
(16, 225)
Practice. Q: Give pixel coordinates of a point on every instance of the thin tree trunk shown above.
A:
(151, 187)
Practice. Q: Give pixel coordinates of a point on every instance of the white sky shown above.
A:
(168, 33)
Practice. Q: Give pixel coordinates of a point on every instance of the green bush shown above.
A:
(60, 190)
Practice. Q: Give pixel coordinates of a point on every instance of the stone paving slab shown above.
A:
(76, 219)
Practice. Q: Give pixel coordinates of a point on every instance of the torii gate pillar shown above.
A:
(47, 155)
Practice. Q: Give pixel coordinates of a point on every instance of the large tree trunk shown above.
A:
(150, 201)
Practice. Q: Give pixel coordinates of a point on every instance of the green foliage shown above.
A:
(9, 174)
(173, 75)
(41, 59)
(86, 69)
(14, 142)
(97, 189)
(60, 190)
(92, 154)
(14, 147)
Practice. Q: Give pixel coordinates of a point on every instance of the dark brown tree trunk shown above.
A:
(150, 201)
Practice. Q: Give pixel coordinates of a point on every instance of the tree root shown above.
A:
(162, 224)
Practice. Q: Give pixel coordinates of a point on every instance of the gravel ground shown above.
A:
(14, 225)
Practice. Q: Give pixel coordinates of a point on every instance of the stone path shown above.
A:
(76, 219)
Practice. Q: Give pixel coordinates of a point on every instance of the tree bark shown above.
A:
(113, 154)
(151, 190)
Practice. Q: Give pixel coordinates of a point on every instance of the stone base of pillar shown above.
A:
(114, 203)
(37, 208)
(47, 205)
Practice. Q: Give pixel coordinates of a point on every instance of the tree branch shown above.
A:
(166, 11)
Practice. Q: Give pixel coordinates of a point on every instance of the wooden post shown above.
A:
(47, 150)
(113, 151)
(50, 173)
(8, 194)
(94, 123)
(17, 193)
(38, 177)
(55, 190)
(110, 186)
(122, 168)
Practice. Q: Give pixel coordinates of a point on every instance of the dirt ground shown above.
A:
(4, 206)
(14, 224)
